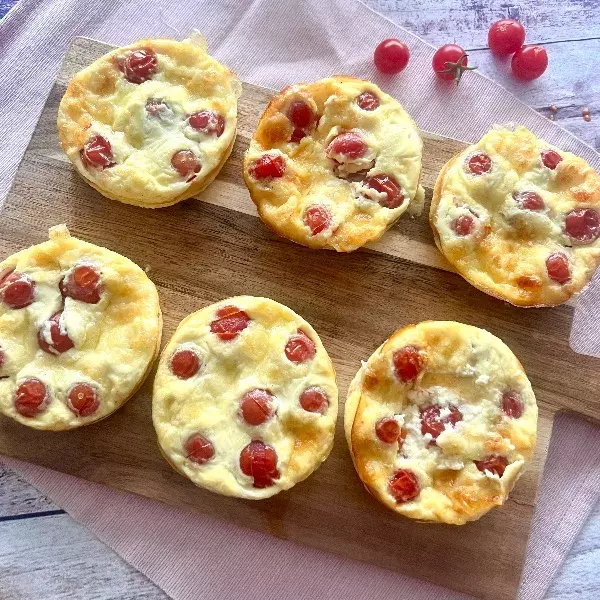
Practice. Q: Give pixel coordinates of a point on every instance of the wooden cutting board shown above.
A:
(201, 251)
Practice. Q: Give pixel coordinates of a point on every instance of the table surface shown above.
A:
(38, 540)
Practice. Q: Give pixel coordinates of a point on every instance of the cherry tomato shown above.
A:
(297, 135)
(349, 145)
(83, 399)
(450, 62)
(185, 363)
(386, 184)
(230, 322)
(186, 163)
(368, 101)
(529, 62)
(583, 225)
(408, 363)
(140, 65)
(300, 348)
(315, 400)
(529, 200)
(268, 166)
(557, 265)
(463, 225)
(259, 461)
(199, 449)
(512, 404)
(208, 121)
(479, 163)
(493, 463)
(387, 430)
(300, 114)
(97, 152)
(404, 486)
(59, 341)
(550, 159)
(31, 397)
(506, 36)
(83, 283)
(433, 423)
(17, 290)
(257, 407)
(391, 56)
(317, 218)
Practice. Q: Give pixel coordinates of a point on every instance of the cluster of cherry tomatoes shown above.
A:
(505, 37)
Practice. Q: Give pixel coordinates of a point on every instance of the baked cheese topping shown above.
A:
(518, 218)
(152, 123)
(245, 398)
(334, 163)
(441, 421)
(79, 328)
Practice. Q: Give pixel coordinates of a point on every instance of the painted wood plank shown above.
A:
(56, 558)
(5, 6)
(17, 497)
(571, 83)
(467, 21)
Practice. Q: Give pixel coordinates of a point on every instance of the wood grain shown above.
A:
(95, 573)
(19, 498)
(466, 22)
(199, 252)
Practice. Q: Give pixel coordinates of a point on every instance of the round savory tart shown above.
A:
(152, 123)
(80, 327)
(334, 163)
(518, 218)
(245, 398)
(440, 421)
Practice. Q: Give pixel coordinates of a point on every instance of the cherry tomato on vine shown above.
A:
(506, 36)
(529, 62)
(391, 56)
(450, 62)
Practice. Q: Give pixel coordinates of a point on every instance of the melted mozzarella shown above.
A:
(100, 101)
(505, 254)
(209, 402)
(466, 368)
(394, 148)
(115, 340)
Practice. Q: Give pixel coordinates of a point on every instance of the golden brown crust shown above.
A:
(194, 190)
(506, 254)
(116, 340)
(356, 211)
(100, 101)
(462, 368)
(209, 401)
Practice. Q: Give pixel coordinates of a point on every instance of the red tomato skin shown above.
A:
(529, 63)
(391, 56)
(444, 54)
(506, 37)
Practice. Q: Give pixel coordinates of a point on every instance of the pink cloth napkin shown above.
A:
(273, 43)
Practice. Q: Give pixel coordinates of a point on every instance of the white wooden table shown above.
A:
(44, 554)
